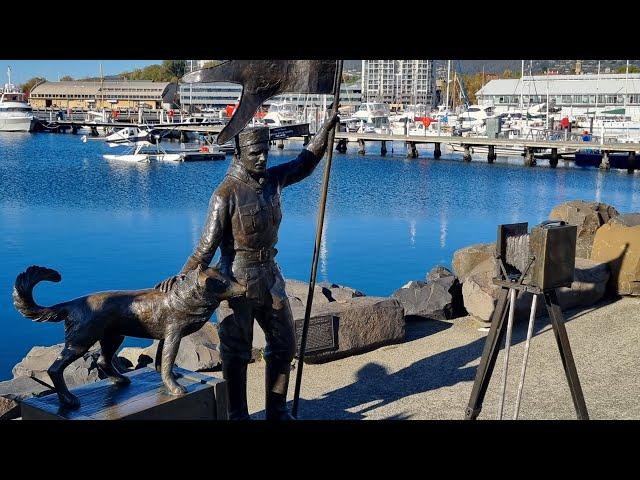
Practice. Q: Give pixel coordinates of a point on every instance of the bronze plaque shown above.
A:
(321, 336)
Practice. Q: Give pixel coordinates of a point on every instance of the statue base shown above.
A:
(145, 398)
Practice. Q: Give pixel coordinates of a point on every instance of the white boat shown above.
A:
(475, 117)
(127, 135)
(280, 114)
(374, 117)
(145, 152)
(16, 114)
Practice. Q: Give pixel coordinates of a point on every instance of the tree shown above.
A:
(175, 68)
(632, 69)
(472, 83)
(211, 63)
(66, 78)
(510, 74)
(32, 82)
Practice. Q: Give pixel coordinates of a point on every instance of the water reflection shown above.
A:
(412, 233)
(324, 251)
(599, 181)
(443, 230)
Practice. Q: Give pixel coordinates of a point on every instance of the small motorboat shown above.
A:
(139, 153)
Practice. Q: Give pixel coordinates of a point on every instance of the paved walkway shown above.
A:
(430, 375)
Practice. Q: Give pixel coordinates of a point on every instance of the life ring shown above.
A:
(426, 122)
(171, 113)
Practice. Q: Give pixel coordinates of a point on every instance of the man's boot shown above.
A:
(235, 374)
(276, 385)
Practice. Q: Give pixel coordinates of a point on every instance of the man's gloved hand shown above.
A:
(166, 285)
(318, 145)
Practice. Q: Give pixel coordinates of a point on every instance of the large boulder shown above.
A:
(478, 291)
(363, 324)
(468, 258)
(618, 244)
(198, 351)
(588, 217)
(438, 299)
(338, 293)
(438, 272)
(12, 392)
(298, 290)
(39, 359)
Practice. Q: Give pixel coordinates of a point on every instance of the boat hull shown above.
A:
(593, 159)
(21, 124)
(134, 158)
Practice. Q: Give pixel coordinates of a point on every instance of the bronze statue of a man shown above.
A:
(243, 220)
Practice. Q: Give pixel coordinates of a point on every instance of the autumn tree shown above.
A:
(32, 82)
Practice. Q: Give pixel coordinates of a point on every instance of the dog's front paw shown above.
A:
(176, 389)
(69, 400)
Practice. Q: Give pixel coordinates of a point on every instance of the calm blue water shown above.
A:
(108, 225)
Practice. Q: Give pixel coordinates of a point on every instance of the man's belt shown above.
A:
(255, 256)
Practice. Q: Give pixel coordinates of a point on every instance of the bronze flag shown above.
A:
(263, 79)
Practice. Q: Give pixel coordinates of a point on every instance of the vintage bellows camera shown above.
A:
(543, 259)
(538, 262)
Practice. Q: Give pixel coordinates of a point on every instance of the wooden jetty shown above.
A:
(528, 146)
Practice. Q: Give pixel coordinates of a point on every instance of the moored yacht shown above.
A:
(280, 114)
(16, 114)
(374, 117)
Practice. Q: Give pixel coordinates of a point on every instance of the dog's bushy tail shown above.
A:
(23, 295)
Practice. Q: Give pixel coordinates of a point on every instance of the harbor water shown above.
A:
(107, 225)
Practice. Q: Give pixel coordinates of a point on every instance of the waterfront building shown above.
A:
(399, 82)
(108, 94)
(218, 95)
(615, 94)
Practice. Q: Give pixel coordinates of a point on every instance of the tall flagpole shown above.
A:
(316, 248)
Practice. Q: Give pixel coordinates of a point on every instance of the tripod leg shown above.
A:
(507, 346)
(525, 358)
(488, 359)
(555, 314)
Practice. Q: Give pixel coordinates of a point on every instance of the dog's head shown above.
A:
(218, 285)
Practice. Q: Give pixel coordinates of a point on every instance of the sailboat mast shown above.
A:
(522, 87)
(102, 90)
(626, 93)
(448, 81)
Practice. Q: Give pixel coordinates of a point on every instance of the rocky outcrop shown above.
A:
(468, 258)
(440, 298)
(363, 324)
(438, 272)
(588, 217)
(478, 291)
(299, 290)
(198, 351)
(12, 392)
(39, 359)
(618, 244)
(337, 293)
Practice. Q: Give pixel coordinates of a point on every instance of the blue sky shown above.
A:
(23, 70)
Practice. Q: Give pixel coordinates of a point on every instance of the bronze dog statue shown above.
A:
(108, 317)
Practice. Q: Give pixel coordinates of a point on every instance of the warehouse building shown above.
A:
(575, 94)
(108, 94)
